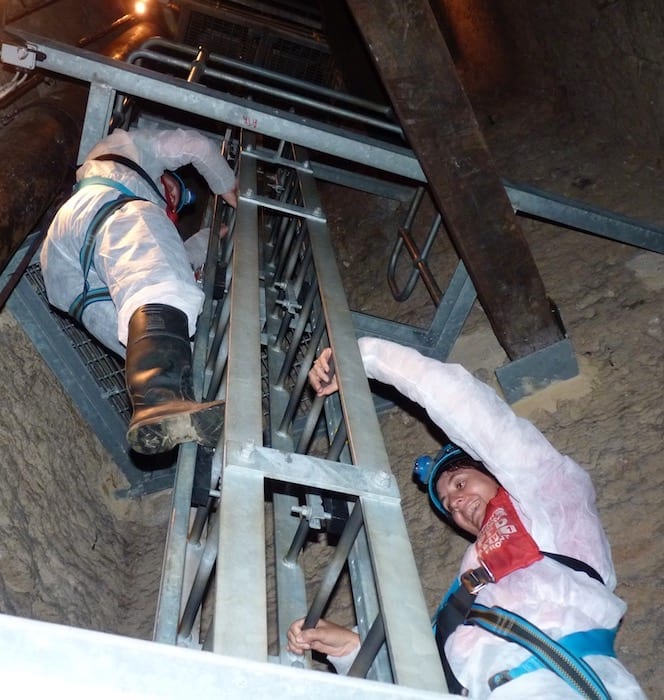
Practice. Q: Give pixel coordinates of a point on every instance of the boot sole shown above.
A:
(201, 424)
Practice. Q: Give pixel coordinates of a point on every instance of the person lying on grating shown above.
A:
(114, 260)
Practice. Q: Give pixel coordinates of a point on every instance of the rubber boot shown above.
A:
(159, 382)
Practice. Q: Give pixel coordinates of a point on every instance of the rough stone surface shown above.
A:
(70, 552)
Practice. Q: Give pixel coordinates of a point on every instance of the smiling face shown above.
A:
(465, 494)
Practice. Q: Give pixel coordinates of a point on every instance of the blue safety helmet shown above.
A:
(187, 197)
(427, 470)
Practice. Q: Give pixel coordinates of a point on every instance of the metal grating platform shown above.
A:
(262, 44)
(106, 369)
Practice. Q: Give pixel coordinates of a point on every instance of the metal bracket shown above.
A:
(25, 57)
(536, 371)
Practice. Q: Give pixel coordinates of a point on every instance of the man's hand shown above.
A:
(231, 197)
(321, 375)
(326, 638)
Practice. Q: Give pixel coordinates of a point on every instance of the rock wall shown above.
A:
(600, 60)
(70, 551)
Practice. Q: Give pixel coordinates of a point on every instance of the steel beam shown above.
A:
(48, 660)
(428, 98)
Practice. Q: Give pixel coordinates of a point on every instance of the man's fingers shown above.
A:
(231, 198)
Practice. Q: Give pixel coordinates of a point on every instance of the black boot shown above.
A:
(159, 382)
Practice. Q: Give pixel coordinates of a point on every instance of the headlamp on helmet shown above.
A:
(427, 470)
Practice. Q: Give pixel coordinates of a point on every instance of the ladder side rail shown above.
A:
(359, 562)
(202, 540)
(362, 575)
(172, 595)
(173, 565)
(289, 278)
(365, 441)
(414, 655)
(291, 600)
(218, 355)
(240, 602)
(280, 248)
(205, 565)
(424, 668)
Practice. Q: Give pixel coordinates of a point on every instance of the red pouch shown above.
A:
(503, 544)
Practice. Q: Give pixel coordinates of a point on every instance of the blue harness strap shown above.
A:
(551, 654)
(581, 644)
(86, 257)
(99, 180)
(133, 165)
(563, 657)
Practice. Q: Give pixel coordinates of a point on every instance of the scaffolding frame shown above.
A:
(283, 302)
(282, 289)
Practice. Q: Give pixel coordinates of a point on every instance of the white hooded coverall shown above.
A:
(139, 254)
(555, 500)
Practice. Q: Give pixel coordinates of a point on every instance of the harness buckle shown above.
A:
(499, 679)
(474, 580)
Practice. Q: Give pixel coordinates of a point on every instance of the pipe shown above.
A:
(36, 152)
(87, 40)
(120, 48)
(39, 148)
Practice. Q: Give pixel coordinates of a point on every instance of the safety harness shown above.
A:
(563, 657)
(187, 197)
(503, 546)
(133, 165)
(86, 256)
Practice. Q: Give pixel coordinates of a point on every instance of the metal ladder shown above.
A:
(280, 311)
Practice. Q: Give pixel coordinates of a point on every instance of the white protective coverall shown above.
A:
(555, 500)
(139, 254)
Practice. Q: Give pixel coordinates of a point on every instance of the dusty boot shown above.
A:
(159, 382)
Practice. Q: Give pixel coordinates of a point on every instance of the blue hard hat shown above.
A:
(187, 197)
(427, 470)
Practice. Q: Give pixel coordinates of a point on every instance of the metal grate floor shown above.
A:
(92, 376)
(106, 369)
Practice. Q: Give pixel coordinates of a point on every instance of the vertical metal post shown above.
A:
(241, 588)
